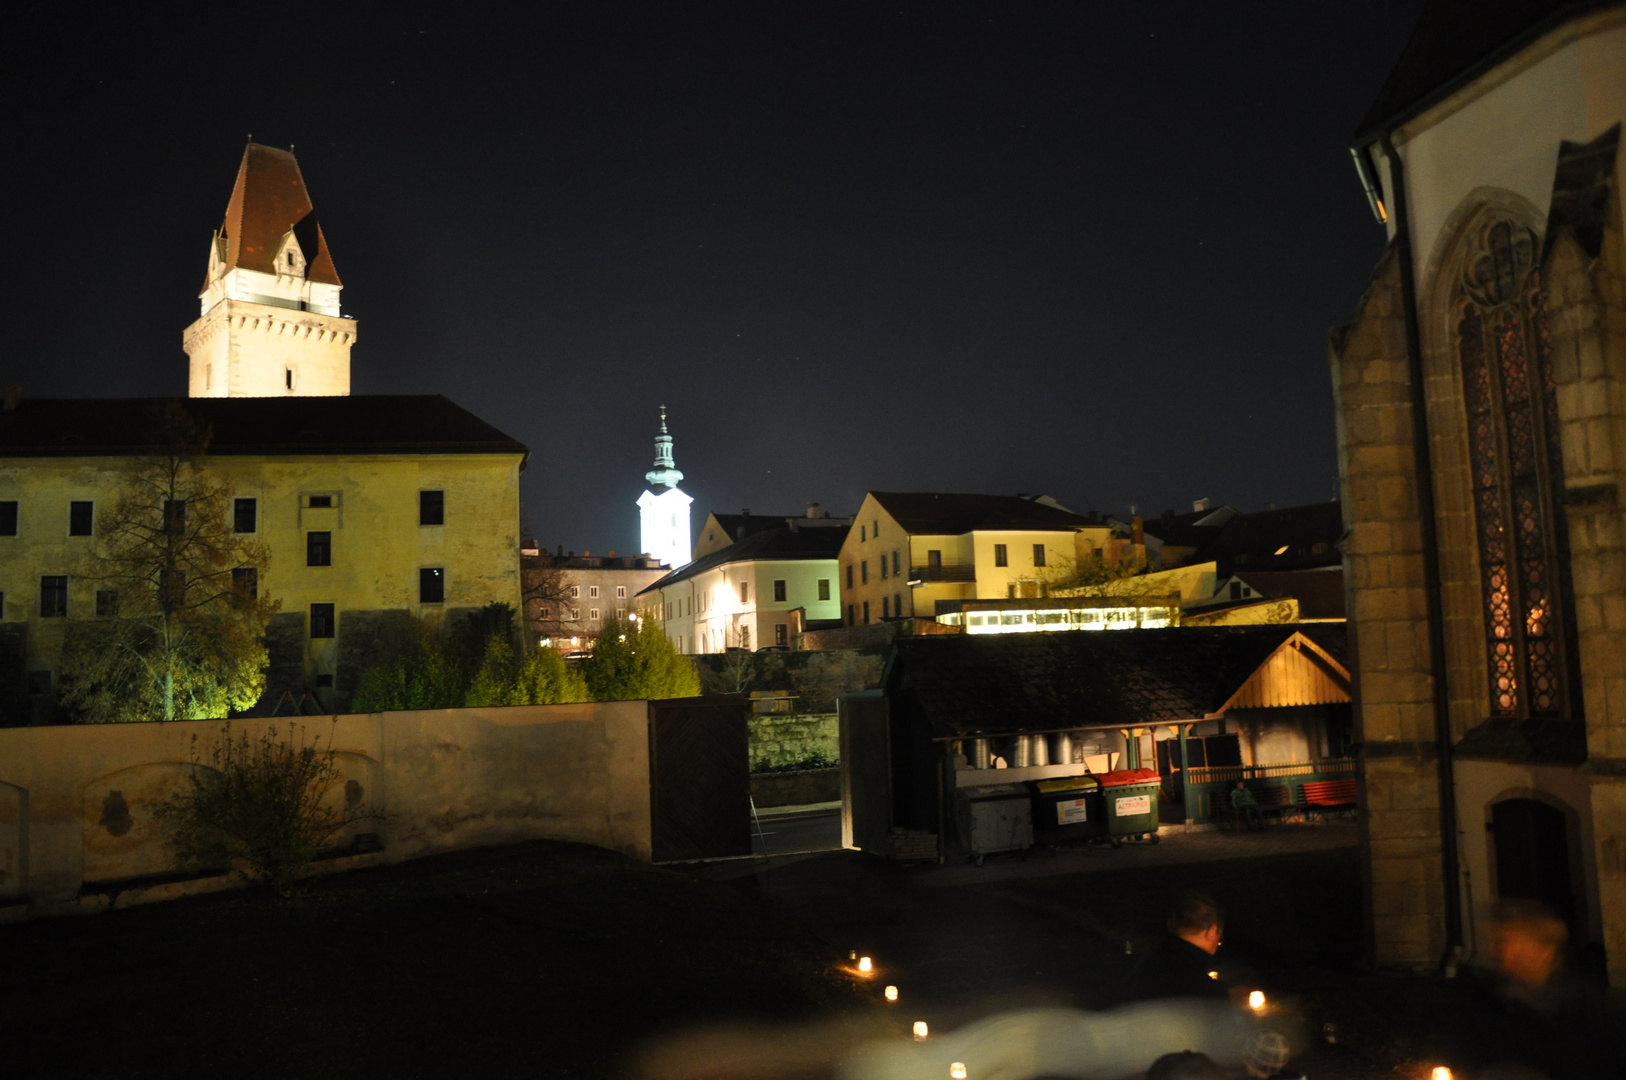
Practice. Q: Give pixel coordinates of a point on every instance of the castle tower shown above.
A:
(270, 323)
(665, 508)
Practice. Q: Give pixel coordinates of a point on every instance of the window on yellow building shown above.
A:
(1000, 556)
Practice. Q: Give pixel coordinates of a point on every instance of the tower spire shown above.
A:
(665, 474)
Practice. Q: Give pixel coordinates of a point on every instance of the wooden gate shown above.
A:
(699, 778)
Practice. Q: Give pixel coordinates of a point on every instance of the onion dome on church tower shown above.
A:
(665, 474)
(664, 508)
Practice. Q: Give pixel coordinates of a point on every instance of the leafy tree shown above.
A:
(422, 670)
(181, 632)
(546, 679)
(636, 662)
(262, 804)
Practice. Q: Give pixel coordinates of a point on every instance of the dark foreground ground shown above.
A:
(542, 960)
(560, 960)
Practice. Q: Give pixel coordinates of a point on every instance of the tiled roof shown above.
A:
(1454, 40)
(782, 543)
(53, 427)
(947, 514)
(1008, 683)
(1252, 541)
(268, 199)
(1320, 593)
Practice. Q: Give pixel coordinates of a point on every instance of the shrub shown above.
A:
(260, 804)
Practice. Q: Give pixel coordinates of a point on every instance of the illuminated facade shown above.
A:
(1076, 613)
(1481, 405)
(664, 507)
(269, 324)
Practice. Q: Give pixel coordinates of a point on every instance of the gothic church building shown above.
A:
(1481, 413)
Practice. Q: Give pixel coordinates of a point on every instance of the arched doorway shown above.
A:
(1533, 854)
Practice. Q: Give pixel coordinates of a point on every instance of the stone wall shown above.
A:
(1388, 628)
(77, 824)
(781, 740)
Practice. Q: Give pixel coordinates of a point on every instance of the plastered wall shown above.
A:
(78, 830)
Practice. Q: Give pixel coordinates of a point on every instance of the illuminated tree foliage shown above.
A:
(635, 661)
(180, 633)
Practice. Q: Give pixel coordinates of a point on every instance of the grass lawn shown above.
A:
(541, 960)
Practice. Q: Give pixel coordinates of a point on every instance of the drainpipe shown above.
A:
(1431, 559)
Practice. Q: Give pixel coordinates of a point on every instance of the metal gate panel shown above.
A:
(699, 778)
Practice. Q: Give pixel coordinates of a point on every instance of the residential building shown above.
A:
(760, 591)
(371, 508)
(664, 507)
(569, 597)
(911, 554)
(1480, 391)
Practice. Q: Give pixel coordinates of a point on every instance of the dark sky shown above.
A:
(1085, 249)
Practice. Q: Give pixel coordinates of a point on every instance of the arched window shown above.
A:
(1504, 341)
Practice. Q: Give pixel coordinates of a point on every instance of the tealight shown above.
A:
(957, 1071)
(920, 1030)
(1213, 974)
(892, 993)
(1256, 1000)
(865, 964)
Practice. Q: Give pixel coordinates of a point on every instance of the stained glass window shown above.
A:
(1504, 342)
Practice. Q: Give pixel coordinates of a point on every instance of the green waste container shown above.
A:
(1129, 804)
(1066, 809)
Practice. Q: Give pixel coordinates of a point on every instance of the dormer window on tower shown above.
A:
(290, 259)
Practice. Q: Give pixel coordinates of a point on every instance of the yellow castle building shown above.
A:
(372, 508)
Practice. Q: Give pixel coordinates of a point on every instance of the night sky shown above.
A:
(1090, 250)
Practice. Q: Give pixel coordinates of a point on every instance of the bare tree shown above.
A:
(181, 626)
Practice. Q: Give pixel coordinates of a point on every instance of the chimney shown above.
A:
(812, 510)
(1199, 505)
(14, 396)
(612, 553)
(1137, 531)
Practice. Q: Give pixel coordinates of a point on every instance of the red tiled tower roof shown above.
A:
(268, 199)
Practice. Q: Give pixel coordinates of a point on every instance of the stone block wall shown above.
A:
(781, 740)
(1388, 628)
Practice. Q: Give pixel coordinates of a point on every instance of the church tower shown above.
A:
(270, 323)
(665, 508)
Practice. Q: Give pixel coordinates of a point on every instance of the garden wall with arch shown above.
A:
(78, 830)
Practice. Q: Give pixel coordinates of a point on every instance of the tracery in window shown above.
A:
(1504, 342)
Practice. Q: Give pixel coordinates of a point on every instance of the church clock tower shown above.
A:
(270, 323)
(665, 508)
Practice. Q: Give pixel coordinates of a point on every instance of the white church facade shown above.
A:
(664, 507)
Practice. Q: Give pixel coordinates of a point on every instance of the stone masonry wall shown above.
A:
(1383, 571)
(1587, 302)
(777, 741)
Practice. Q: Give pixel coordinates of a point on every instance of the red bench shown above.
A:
(1329, 794)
